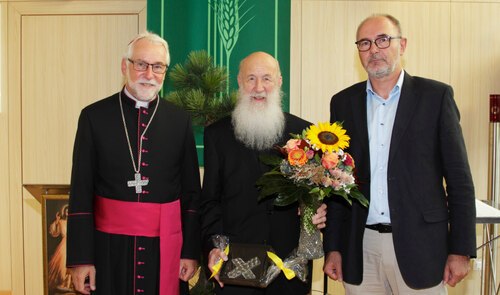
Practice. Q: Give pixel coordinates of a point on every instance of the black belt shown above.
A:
(380, 227)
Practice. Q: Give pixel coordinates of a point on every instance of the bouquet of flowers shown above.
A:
(314, 166)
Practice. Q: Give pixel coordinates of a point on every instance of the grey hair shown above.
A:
(151, 37)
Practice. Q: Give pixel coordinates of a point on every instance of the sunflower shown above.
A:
(327, 137)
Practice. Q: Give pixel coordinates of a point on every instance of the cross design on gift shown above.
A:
(243, 268)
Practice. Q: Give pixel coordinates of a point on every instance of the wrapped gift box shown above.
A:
(247, 265)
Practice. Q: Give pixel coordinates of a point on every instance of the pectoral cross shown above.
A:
(138, 183)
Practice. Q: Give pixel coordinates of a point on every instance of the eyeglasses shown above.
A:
(142, 66)
(381, 42)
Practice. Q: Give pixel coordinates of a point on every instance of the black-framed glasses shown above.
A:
(381, 42)
(142, 66)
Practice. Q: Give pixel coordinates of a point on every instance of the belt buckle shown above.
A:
(384, 228)
(380, 227)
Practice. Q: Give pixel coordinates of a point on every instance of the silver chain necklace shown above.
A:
(137, 182)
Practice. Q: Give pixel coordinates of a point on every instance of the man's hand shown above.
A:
(79, 274)
(319, 219)
(456, 268)
(187, 269)
(333, 266)
(213, 257)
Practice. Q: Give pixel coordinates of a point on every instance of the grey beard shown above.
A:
(259, 128)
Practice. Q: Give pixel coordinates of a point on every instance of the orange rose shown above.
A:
(329, 160)
(297, 157)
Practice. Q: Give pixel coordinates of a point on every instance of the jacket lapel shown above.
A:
(359, 115)
(407, 103)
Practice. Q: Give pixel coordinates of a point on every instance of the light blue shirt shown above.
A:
(380, 114)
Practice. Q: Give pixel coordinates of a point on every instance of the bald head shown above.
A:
(259, 72)
(260, 59)
(381, 17)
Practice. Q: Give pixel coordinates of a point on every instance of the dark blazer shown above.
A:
(429, 219)
(229, 203)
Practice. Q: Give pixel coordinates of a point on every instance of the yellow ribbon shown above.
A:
(289, 274)
(216, 268)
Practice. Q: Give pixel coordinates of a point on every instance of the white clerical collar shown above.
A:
(138, 103)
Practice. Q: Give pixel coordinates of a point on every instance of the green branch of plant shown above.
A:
(200, 88)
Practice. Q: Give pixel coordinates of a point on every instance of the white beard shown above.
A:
(144, 93)
(258, 125)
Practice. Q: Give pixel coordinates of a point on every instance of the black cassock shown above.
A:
(102, 166)
(229, 202)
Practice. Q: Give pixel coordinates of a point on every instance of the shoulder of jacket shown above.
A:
(420, 81)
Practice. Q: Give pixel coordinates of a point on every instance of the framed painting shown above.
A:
(57, 280)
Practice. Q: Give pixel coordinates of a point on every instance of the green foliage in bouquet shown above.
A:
(199, 89)
(275, 183)
(313, 166)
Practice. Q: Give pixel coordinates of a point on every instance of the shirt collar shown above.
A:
(138, 103)
(396, 88)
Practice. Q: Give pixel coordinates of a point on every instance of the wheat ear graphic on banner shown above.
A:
(228, 18)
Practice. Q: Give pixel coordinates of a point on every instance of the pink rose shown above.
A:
(292, 144)
(329, 160)
(310, 154)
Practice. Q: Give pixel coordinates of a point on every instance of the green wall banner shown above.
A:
(228, 30)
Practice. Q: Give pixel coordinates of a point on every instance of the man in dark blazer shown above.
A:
(418, 234)
(233, 145)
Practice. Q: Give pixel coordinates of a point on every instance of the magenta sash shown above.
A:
(147, 220)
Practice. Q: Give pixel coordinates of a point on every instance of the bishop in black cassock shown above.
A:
(103, 172)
